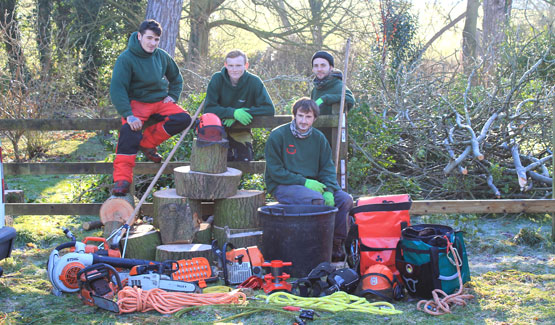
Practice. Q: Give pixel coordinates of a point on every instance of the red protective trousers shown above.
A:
(171, 118)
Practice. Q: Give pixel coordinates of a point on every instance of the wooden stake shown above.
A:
(342, 105)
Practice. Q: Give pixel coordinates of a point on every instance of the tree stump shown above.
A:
(183, 251)
(204, 234)
(177, 223)
(238, 237)
(115, 211)
(14, 196)
(164, 197)
(204, 186)
(142, 242)
(209, 156)
(240, 210)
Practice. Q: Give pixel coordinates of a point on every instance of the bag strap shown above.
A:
(352, 248)
(381, 207)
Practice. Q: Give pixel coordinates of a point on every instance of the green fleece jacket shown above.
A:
(290, 160)
(222, 98)
(139, 76)
(330, 92)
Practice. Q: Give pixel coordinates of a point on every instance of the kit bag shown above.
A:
(425, 261)
(376, 224)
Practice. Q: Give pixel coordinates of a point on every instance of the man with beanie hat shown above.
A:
(328, 84)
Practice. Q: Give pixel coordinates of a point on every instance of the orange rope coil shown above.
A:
(439, 306)
(135, 299)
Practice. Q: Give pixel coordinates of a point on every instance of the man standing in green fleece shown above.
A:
(234, 94)
(328, 85)
(146, 83)
(300, 170)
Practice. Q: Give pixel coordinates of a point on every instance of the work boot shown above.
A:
(338, 251)
(151, 154)
(121, 188)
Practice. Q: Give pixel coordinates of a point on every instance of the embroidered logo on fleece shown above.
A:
(291, 149)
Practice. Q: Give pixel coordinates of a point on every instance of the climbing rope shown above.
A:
(135, 299)
(338, 301)
(440, 306)
(217, 289)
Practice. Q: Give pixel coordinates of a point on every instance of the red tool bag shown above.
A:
(376, 226)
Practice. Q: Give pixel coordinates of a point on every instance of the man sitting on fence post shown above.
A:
(300, 170)
(328, 85)
(234, 94)
(146, 83)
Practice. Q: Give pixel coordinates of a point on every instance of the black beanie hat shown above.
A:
(324, 55)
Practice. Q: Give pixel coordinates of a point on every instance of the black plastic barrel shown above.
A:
(301, 234)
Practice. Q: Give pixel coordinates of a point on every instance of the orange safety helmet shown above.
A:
(209, 128)
(378, 281)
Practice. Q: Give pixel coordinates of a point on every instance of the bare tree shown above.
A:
(495, 22)
(469, 35)
(168, 14)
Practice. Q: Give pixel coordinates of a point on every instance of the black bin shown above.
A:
(301, 234)
(7, 237)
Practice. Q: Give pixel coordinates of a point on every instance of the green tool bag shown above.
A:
(425, 262)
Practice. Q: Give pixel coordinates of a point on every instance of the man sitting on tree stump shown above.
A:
(328, 85)
(300, 170)
(234, 94)
(146, 83)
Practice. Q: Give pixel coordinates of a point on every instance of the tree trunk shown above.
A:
(496, 16)
(165, 197)
(168, 14)
(199, 16)
(469, 35)
(316, 29)
(204, 234)
(142, 242)
(177, 224)
(204, 186)
(209, 157)
(176, 252)
(115, 211)
(12, 40)
(44, 34)
(240, 210)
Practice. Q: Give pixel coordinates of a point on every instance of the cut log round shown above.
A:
(142, 242)
(163, 197)
(115, 211)
(204, 234)
(240, 210)
(205, 186)
(183, 251)
(209, 156)
(177, 223)
(238, 237)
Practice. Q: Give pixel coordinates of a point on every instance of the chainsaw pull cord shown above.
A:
(336, 302)
(131, 218)
(133, 299)
(440, 306)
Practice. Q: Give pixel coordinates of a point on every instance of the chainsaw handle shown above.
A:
(65, 245)
(95, 239)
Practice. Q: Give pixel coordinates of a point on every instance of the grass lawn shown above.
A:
(513, 280)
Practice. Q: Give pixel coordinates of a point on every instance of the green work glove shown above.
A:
(328, 199)
(228, 122)
(319, 101)
(315, 185)
(242, 116)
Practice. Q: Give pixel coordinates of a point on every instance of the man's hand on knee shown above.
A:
(315, 185)
(134, 123)
(328, 199)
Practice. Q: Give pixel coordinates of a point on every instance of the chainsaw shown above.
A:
(238, 264)
(98, 285)
(150, 276)
(62, 270)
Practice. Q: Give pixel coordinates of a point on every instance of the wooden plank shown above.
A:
(418, 207)
(86, 168)
(482, 206)
(41, 209)
(107, 124)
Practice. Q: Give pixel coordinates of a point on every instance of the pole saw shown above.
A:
(124, 229)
